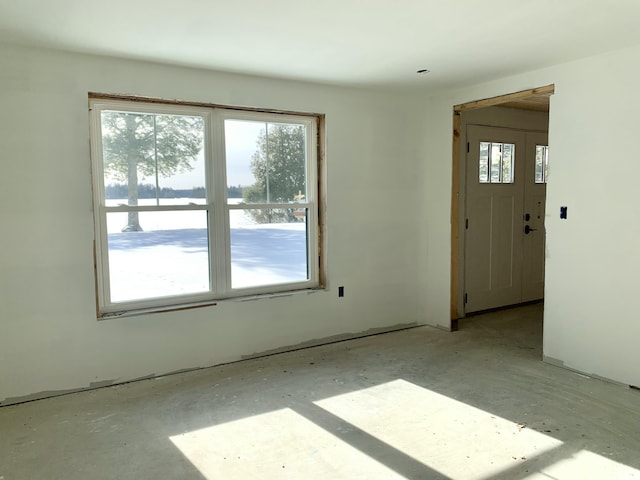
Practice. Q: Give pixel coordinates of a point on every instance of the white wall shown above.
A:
(388, 221)
(593, 257)
(50, 340)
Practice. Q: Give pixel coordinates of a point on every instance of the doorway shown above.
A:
(504, 234)
(498, 223)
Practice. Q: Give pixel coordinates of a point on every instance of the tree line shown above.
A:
(148, 190)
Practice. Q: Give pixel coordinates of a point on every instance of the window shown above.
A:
(542, 163)
(196, 204)
(496, 162)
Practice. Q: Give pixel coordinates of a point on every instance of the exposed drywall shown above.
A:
(592, 256)
(50, 339)
(388, 220)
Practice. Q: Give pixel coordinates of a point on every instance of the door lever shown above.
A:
(528, 229)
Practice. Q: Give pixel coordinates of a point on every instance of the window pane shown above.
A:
(268, 246)
(483, 166)
(266, 162)
(170, 257)
(149, 156)
(542, 152)
(496, 162)
(507, 162)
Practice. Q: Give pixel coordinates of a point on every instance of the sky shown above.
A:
(240, 144)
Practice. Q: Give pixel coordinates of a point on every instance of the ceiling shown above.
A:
(536, 103)
(372, 43)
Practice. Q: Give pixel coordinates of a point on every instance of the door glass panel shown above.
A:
(542, 163)
(496, 162)
(507, 163)
(496, 157)
(484, 162)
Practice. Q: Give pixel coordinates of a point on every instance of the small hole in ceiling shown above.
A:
(423, 71)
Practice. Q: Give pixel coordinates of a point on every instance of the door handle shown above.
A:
(528, 229)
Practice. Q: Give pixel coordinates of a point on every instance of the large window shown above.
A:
(196, 204)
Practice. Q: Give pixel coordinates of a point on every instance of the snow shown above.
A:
(171, 255)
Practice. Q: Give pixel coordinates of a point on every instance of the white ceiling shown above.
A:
(378, 43)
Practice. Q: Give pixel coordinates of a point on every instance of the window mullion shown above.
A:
(259, 206)
(219, 228)
(154, 208)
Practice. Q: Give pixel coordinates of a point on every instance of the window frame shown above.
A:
(215, 206)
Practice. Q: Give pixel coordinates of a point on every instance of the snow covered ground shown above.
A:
(171, 255)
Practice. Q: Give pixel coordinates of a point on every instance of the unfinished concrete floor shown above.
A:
(417, 404)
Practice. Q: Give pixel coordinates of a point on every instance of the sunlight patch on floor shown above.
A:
(585, 465)
(281, 444)
(451, 437)
(398, 421)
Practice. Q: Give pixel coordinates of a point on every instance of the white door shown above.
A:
(503, 264)
(535, 194)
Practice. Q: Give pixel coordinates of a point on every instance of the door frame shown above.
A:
(457, 254)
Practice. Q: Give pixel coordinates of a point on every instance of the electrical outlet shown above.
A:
(563, 213)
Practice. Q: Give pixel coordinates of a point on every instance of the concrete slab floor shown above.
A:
(418, 404)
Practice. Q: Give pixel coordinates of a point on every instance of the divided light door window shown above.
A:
(196, 204)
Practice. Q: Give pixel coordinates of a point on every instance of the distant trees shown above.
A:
(148, 190)
(147, 144)
(235, 192)
(278, 166)
(198, 192)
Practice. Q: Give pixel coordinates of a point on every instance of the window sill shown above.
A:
(261, 296)
(213, 303)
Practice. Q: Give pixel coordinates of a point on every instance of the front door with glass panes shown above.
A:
(504, 222)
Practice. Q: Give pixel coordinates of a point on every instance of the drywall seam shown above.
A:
(333, 339)
(559, 363)
(301, 346)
